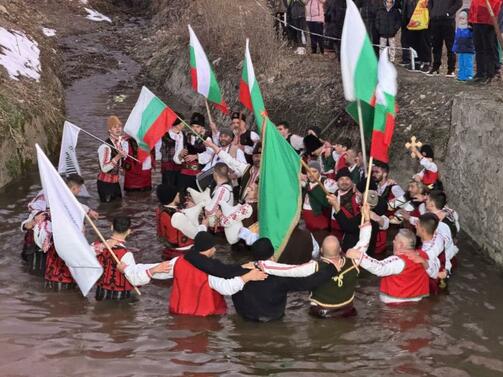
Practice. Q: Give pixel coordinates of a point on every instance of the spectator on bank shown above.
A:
(442, 29)
(388, 20)
(315, 19)
(335, 11)
(279, 8)
(463, 47)
(296, 18)
(417, 39)
(484, 39)
(368, 11)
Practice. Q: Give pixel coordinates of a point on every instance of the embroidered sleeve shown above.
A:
(226, 287)
(428, 165)
(389, 266)
(104, 154)
(237, 166)
(288, 270)
(222, 194)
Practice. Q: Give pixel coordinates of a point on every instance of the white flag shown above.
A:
(67, 217)
(68, 163)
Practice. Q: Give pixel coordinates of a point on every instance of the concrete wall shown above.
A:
(473, 172)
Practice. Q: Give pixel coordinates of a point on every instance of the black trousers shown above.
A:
(442, 31)
(316, 27)
(419, 41)
(486, 52)
(295, 35)
(404, 42)
(108, 191)
(170, 177)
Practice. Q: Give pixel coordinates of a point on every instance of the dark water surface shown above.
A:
(46, 333)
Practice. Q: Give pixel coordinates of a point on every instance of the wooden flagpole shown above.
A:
(108, 247)
(208, 111)
(367, 185)
(104, 142)
(362, 134)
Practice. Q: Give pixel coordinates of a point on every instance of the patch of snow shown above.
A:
(96, 16)
(19, 55)
(84, 2)
(48, 32)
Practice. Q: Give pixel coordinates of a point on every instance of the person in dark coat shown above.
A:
(442, 29)
(419, 40)
(388, 21)
(296, 19)
(335, 11)
(266, 301)
(368, 11)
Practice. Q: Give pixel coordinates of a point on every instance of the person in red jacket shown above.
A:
(404, 278)
(484, 39)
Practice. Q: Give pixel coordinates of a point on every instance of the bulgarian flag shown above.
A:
(148, 122)
(358, 66)
(385, 108)
(279, 183)
(203, 78)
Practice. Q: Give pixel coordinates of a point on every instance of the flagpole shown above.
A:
(208, 111)
(367, 185)
(362, 135)
(104, 142)
(108, 248)
(190, 128)
(308, 171)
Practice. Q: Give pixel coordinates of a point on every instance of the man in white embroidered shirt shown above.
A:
(403, 277)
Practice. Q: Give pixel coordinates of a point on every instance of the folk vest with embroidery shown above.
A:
(340, 290)
(168, 147)
(192, 294)
(112, 279)
(193, 167)
(412, 282)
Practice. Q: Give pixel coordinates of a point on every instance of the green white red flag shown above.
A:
(358, 65)
(385, 108)
(148, 122)
(203, 78)
(279, 183)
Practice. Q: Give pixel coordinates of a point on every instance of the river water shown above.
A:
(46, 333)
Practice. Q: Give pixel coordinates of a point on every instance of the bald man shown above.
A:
(334, 298)
(403, 275)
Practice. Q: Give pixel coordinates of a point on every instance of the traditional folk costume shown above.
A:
(31, 253)
(137, 176)
(108, 178)
(429, 174)
(190, 169)
(402, 280)
(114, 285)
(247, 141)
(296, 141)
(222, 193)
(341, 162)
(334, 298)
(350, 208)
(171, 145)
(176, 242)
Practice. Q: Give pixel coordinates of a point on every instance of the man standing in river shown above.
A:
(111, 154)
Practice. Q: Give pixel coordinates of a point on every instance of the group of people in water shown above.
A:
(209, 192)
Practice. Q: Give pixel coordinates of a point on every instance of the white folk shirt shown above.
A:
(138, 274)
(433, 261)
(105, 154)
(427, 165)
(396, 190)
(214, 159)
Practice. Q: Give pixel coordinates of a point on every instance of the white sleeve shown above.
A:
(237, 166)
(297, 142)
(315, 254)
(226, 287)
(248, 236)
(205, 157)
(433, 267)
(413, 221)
(216, 137)
(398, 193)
(178, 149)
(240, 156)
(255, 138)
(428, 165)
(221, 195)
(137, 273)
(385, 224)
(364, 240)
(389, 266)
(288, 270)
(104, 155)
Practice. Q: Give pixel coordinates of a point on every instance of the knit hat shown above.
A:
(227, 131)
(235, 115)
(262, 249)
(311, 143)
(113, 121)
(203, 241)
(315, 165)
(166, 193)
(198, 118)
(344, 172)
(427, 151)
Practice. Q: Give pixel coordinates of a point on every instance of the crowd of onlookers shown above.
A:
(468, 34)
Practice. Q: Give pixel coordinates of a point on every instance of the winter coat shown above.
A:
(279, 6)
(368, 11)
(444, 9)
(388, 22)
(296, 9)
(479, 14)
(334, 17)
(315, 11)
(463, 41)
(408, 7)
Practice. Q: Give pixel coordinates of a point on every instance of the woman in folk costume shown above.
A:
(138, 175)
(222, 193)
(31, 253)
(111, 160)
(429, 175)
(316, 209)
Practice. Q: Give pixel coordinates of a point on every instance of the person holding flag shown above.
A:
(111, 155)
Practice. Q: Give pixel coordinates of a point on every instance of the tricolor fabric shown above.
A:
(385, 108)
(203, 78)
(68, 163)
(148, 122)
(67, 216)
(279, 183)
(358, 66)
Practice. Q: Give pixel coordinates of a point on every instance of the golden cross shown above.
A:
(413, 144)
